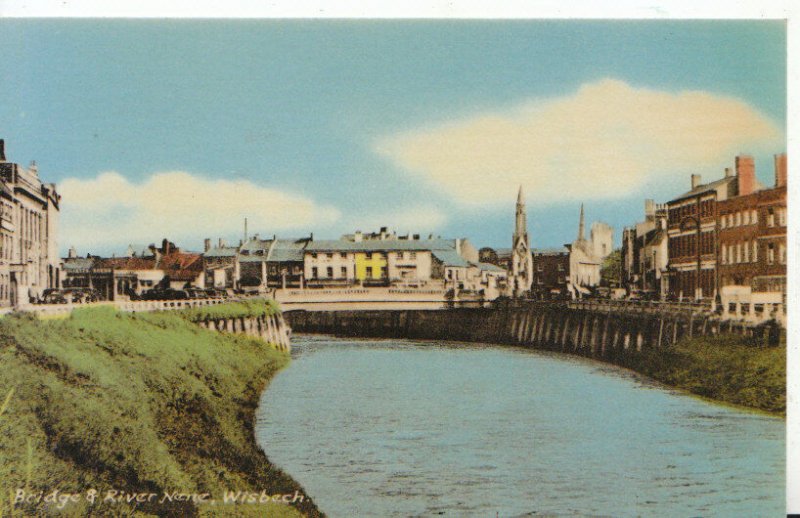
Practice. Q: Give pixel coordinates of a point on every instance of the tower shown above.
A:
(521, 258)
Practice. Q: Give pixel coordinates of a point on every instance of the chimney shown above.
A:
(746, 171)
(221, 243)
(206, 244)
(728, 172)
(696, 179)
(73, 253)
(357, 237)
(165, 246)
(2, 150)
(780, 170)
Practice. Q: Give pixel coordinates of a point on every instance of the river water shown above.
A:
(401, 428)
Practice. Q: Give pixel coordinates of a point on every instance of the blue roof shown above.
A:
(450, 258)
(488, 267)
(226, 251)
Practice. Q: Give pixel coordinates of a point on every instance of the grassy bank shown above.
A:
(144, 403)
(725, 368)
(245, 308)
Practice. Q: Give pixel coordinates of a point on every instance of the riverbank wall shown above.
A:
(270, 328)
(587, 332)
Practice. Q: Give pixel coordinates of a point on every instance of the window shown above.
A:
(343, 255)
(782, 254)
(539, 267)
(330, 272)
(329, 255)
(771, 218)
(782, 217)
(344, 271)
(368, 255)
(412, 255)
(738, 253)
(401, 255)
(722, 221)
(730, 220)
(560, 267)
(754, 216)
(313, 255)
(724, 254)
(746, 251)
(369, 272)
(746, 217)
(738, 219)
(384, 273)
(771, 254)
(314, 272)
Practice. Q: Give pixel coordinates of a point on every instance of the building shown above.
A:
(550, 273)
(645, 254)
(586, 257)
(752, 228)
(130, 277)
(521, 269)
(29, 260)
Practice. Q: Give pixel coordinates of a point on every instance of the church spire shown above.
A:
(581, 233)
(521, 227)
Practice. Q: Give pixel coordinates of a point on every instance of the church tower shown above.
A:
(521, 259)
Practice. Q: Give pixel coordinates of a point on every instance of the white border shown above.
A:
(513, 9)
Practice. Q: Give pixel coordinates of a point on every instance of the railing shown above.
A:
(643, 306)
(122, 305)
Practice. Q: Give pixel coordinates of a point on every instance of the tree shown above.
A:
(611, 270)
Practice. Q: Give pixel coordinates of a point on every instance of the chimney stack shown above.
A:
(696, 179)
(73, 253)
(746, 171)
(206, 244)
(2, 150)
(780, 170)
(728, 172)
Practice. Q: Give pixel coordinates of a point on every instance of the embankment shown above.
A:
(700, 354)
(146, 404)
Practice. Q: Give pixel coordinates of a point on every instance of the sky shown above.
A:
(182, 128)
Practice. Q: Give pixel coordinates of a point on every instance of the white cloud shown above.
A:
(112, 210)
(605, 141)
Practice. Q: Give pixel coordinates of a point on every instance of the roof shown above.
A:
(377, 245)
(488, 267)
(78, 263)
(181, 261)
(706, 187)
(654, 236)
(225, 251)
(550, 251)
(503, 252)
(450, 258)
(127, 263)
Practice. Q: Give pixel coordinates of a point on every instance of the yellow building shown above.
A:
(371, 266)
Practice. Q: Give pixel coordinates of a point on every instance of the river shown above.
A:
(401, 428)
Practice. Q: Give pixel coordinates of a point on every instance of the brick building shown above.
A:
(752, 236)
(550, 273)
(692, 234)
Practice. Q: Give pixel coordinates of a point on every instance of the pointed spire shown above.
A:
(581, 235)
(520, 196)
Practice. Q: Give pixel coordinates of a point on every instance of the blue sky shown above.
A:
(182, 128)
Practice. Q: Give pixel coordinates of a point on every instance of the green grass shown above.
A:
(143, 402)
(257, 307)
(726, 368)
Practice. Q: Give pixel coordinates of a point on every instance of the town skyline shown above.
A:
(331, 127)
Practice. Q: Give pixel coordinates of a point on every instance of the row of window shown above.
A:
(683, 246)
(331, 273)
(706, 210)
(343, 255)
(560, 267)
(737, 219)
(747, 252)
